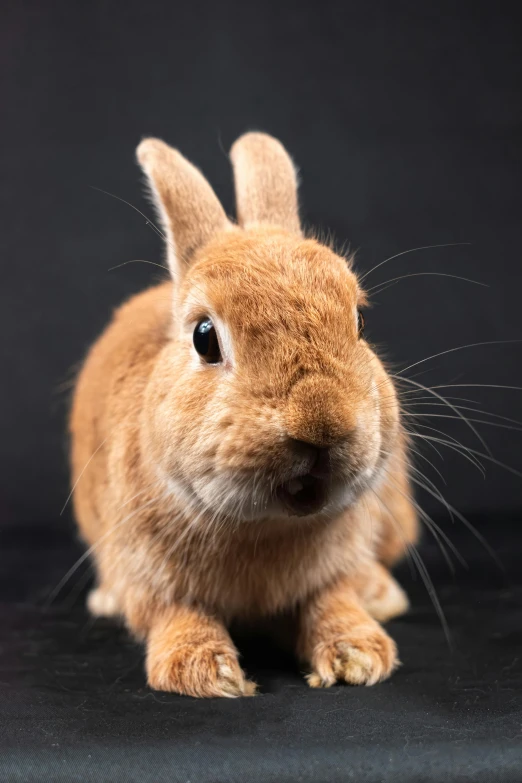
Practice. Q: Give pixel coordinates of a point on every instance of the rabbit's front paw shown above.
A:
(202, 670)
(358, 659)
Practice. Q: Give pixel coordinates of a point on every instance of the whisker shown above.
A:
(76, 589)
(450, 405)
(460, 449)
(432, 526)
(475, 385)
(455, 418)
(422, 456)
(69, 496)
(148, 221)
(472, 451)
(423, 571)
(459, 348)
(379, 290)
(495, 461)
(464, 521)
(138, 261)
(473, 410)
(88, 552)
(412, 250)
(422, 274)
(421, 400)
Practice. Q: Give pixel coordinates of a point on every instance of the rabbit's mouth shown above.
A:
(304, 495)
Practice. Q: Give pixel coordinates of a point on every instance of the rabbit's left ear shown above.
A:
(266, 183)
(189, 210)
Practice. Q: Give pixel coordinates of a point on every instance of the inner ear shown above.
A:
(266, 182)
(189, 210)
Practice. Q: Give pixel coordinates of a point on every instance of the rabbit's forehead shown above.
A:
(255, 285)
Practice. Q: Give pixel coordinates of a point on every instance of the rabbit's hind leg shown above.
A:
(101, 602)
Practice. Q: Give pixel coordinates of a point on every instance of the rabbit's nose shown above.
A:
(318, 413)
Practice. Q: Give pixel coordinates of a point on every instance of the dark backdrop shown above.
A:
(405, 119)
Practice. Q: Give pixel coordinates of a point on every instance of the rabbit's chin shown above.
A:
(304, 496)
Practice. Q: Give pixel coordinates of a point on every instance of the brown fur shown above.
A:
(176, 503)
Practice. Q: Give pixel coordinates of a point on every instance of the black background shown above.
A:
(406, 122)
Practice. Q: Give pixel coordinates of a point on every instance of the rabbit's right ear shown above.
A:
(188, 208)
(266, 182)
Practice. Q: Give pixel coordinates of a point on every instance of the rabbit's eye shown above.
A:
(360, 324)
(206, 342)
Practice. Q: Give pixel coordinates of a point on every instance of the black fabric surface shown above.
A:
(74, 705)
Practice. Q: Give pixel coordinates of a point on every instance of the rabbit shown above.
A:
(236, 445)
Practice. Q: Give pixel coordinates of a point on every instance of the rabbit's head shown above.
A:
(266, 400)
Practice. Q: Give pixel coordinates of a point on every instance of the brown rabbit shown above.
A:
(239, 444)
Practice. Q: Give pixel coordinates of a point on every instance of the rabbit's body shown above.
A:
(189, 499)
